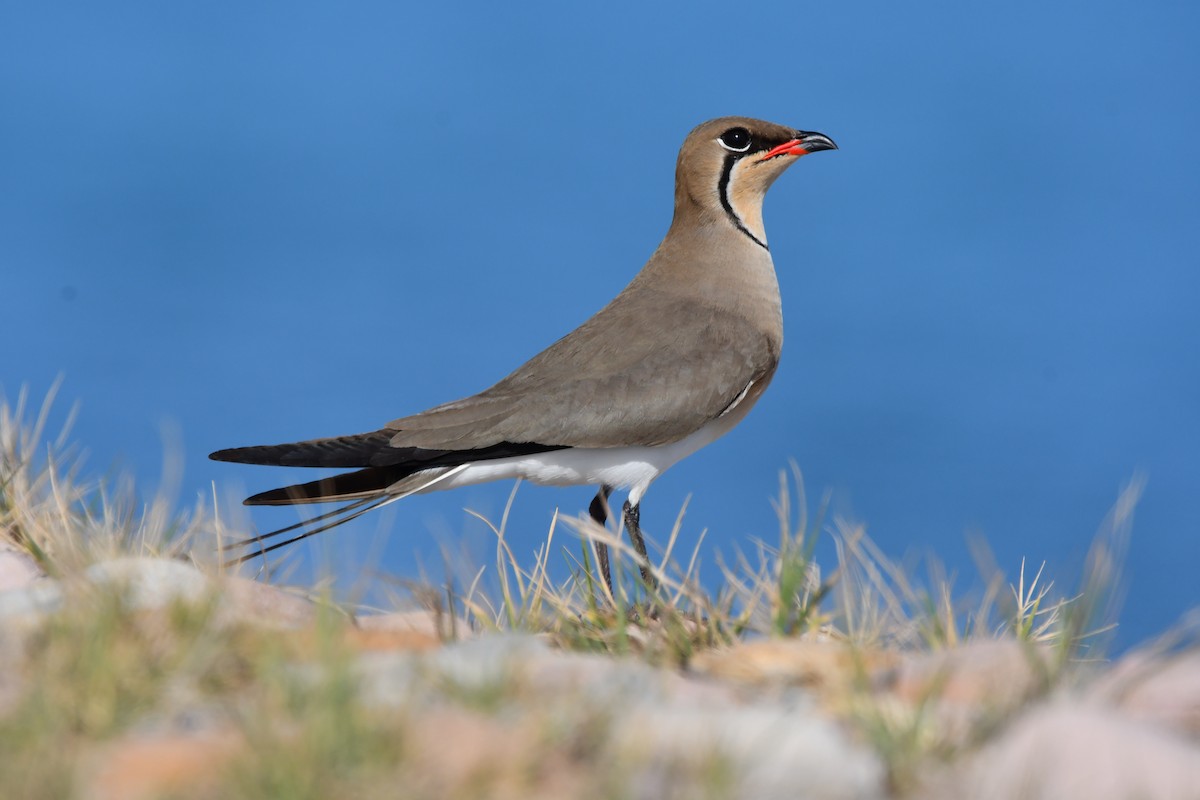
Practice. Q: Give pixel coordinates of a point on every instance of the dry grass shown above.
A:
(67, 520)
(96, 669)
(868, 599)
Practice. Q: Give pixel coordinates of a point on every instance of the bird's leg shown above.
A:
(599, 513)
(632, 515)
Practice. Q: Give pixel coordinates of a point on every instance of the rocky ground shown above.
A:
(148, 677)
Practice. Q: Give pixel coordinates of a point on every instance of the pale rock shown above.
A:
(824, 666)
(261, 604)
(487, 660)
(18, 569)
(391, 678)
(29, 604)
(954, 692)
(616, 682)
(986, 676)
(155, 583)
(763, 753)
(386, 640)
(142, 768)
(501, 759)
(1159, 688)
(441, 626)
(151, 583)
(671, 733)
(1075, 751)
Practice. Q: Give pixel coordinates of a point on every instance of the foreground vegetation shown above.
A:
(281, 706)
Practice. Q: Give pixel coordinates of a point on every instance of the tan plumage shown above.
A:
(696, 335)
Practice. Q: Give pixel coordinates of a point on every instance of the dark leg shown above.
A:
(632, 515)
(599, 513)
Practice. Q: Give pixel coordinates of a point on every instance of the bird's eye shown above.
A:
(735, 139)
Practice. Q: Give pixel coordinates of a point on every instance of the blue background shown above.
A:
(253, 223)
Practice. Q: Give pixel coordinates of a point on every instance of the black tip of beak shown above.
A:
(812, 141)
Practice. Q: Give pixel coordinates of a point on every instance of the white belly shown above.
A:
(632, 468)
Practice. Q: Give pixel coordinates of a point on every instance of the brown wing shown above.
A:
(609, 384)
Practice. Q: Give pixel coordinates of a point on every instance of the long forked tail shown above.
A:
(369, 482)
(379, 466)
(383, 475)
(332, 519)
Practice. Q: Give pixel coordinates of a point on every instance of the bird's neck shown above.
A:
(737, 203)
(710, 262)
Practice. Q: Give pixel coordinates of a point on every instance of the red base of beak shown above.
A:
(793, 148)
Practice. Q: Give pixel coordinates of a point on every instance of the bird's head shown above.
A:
(726, 166)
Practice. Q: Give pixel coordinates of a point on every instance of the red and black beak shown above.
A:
(805, 142)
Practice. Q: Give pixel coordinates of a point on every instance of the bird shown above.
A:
(669, 365)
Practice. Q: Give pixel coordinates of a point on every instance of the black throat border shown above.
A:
(723, 191)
